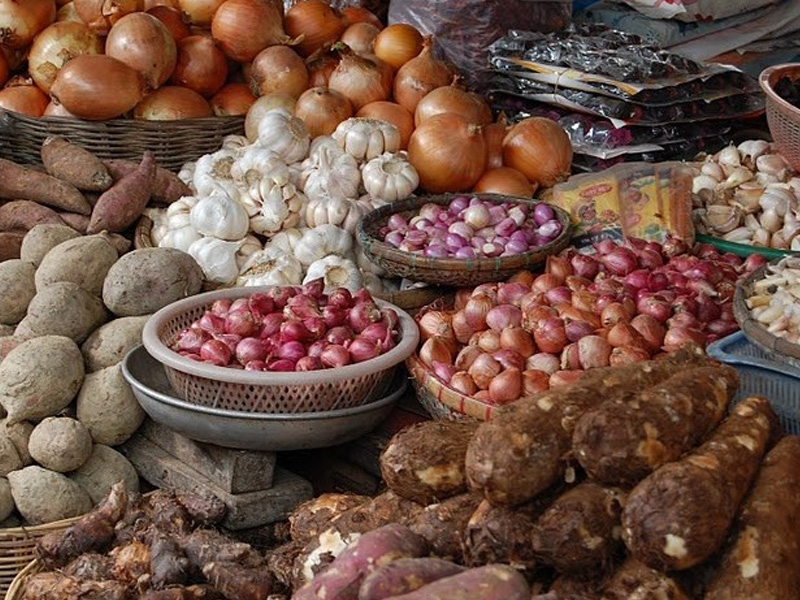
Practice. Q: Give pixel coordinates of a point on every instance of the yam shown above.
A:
(42, 238)
(518, 453)
(25, 214)
(57, 586)
(167, 186)
(147, 279)
(636, 580)
(444, 525)
(9, 342)
(10, 459)
(762, 559)
(123, 203)
(109, 343)
(314, 516)
(238, 581)
(75, 165)
(17, 289)
(579, 533)
(481, 583)
(20, 435)
(44, 496)
(91, 566)
(104, 468)
(10, 244)
(107, 407)
(566, 588)
(679, 516)
(40, 377)
(499, 534)
(60, 444)
(168, 563)
(63, 309)
(281, 562)
(191, 592)
(405, 575)
(84, 261)
(425, 462)
(6, 501)
(22, 183)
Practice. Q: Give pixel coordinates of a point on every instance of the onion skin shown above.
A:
(494, 134)
(57, 44)
(4, 69)
(453, 99)
(67, 12)
(317, 22)
(278, 69)
(24, 99)
(172, 103)
(419, 76)
(200, 12)
(361, 79)
(54, 109)
(201, 66)
(322, 110)
(145, 44)
(233, 26)
(540, 149)
(359, 14)
(505, 180)
(397, 44)
(360, 36)
(23, 19)
(172, 19)
(233, 100)
(393, 113)
(263, 105)
(100, 15)
(97, 87)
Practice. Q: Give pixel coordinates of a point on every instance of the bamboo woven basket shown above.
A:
(449, 271)
(17, 587)
(173, 143)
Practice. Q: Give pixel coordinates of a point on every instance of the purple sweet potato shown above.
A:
(21, 183)
(10, 244)
(123, 203)
(489, 582)
(23, 215)
(75, 165)
(405, 575)
(167, 187)
(78, 222)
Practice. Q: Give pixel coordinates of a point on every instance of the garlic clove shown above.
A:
(795, 244)
(794, 186)
(722, 219)
(774, 164)
(704, 182)
(751, 222)
(750, 150)
(736, 177)
(765, 179)
(761, 237)
(713, 170)
(729, 156)
(739, 235)
(747, 196)
(779, 241)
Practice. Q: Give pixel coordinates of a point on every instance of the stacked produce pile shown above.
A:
(773, 301)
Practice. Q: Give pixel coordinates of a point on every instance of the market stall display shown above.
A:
(783, 114)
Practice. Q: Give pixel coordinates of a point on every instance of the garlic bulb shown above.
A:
(330, 173)
(254, 163)
(286, 240)
(186, 173)
(248, 246)
(235, 142)
(324, 143)
(284, 134)
(336, 272)
(342, 212)
(366, 139)
(220, 216)
(277, 206)
(270, 266)
(180, 238)
(179, 212)
(321, 241)
(217, 258)
(390, 177)
(159, 218)
(213, 172)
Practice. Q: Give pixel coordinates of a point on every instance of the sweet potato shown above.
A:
(42, 238)
(314, 516)
(55, 586)
(24, 215)
(518, 453)
(120, 206)
(679, 516)
(342, 578)
(78, 222)
(63, 308)
(444, 525)
(762, 560)
(580, 532)
(167, 187)
(405, 575)
(17, 280)
(425, 462)
(490, 581)
(499, 534)
(84, 260)
(10, 244)
(74, 165)
(21, 183)
(636, 580)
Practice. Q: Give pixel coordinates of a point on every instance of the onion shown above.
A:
(507, 386)
(440, 324)
(488, 341)
(145, 44)
(593, 351)
(650, 329)
(171, 103)
(419, 76)
(278, 69)
(397, 44)
(201, 66)
(453, 99)
(54, 109)
(243, 28)
(24, 99)
(461, 327)
(493, 134)
(234, 99)
(509, 359)
(57, 44)
(359, 14)
(216, 352)
(677, 337)
(97, 87)
(448, 153)
(483, 370)
(21, 20)
(67, 12)
(361, 79)
(101, 15)
(321, 64)
(322, 110)
(518, 339)
(626, 355)
(200, 12)
(393, 113)
(502, 316)
(435, 349)
(466, 356)
(550, 335)
(624, 334)
(475, 311)
(463, 383)
(539, 148)
(543, 361)
(504, 180)
(317, 22)
(359, 37)
(262, 106)
(172, 20)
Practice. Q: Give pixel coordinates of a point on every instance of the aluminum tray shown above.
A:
(248, 430)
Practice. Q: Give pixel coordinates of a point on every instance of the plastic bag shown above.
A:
(695, 10)
(464, 29)
(379, 8)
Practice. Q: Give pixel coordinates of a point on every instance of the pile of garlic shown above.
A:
(775, 301)
(748, 194)
(282, 209)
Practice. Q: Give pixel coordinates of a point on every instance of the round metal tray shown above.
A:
(248, 430)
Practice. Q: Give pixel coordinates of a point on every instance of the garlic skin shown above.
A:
(180, 238)
(235, 142)
(373, 284)
(336, 271)
(159, 218)
(366, 139)
(284, 134)
(390, 177)
(179, 212)
(728, 157)
(330, 173)
(321, 241)
(750, 150)
(342, 212)
(248, 246)
(278, 206)
(213, 173)
(217, 258)
(270, 266)
(285, 240)
(254, 163)
(220, 216)
(186, 173)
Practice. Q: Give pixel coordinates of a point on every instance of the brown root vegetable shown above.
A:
(342, 578)
(90, 567)
(44, 496)
(425, 462)
(499, 534)
(108, 344)
(580, 532)
(565, 588)
(75, 165)
(239, 582)
(281, 563)
(203, 546)
(167, 187)
(679, 516)
(55, 586)
(123, 203)
(481, 583)
(192, 592)
(83, 260)
(11, 244)
(131, 562)
(24, 215)
(518, 453)
(21, 183)
(204, 509)
(444, 525)
(63, 308)
(18, 282)
(621, 442)
(79, 223)
(314, 516)
(168, 564)
(405, 575)
(43, 238)
(762, 560)
(636, 580)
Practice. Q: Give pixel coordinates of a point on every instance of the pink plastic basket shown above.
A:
(268, 392)
(782, 117)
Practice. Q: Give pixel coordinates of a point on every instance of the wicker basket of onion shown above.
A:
(624, 303)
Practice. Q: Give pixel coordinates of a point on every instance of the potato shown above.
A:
(63, 308)
(104, 468)
(84, 260)
(9, 457)
(44, 496)
(17, 289)
(109, 343)
(107, 407)
(19, 434)
(147, 279)
(60, 444)
(6, 501)
(42, 238)
(40, 377)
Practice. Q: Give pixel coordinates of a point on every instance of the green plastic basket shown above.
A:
(743, 250)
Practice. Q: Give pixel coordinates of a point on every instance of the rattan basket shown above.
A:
(17, 587)
(449, 271)
(172, 142)
(783, 118)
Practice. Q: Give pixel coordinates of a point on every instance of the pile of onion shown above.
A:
(291, 328)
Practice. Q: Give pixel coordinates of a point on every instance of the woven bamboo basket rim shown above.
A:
(141, 235)
(437, 270)
(17, 586)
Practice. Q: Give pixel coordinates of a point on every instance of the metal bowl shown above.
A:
(247, 430)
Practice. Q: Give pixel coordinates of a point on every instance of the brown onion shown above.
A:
(494, 134)
(650, 329)
(321, 64)
(397, 44)
(534, 382)
(278, 69)
(626, 355)
(466, 357)
(549, 335)
(24, 99)
(317, 22)
(419, 76)
(5, 71)
(148, 4)
(361, 79)
(448, 153)
(263, 105)
(201, 65)
(483, 370)
(593, 351)
(505, 180)
(437, 323)
(200, 12)
(68, 13)
(100, 15)
(461, 327)
(359, 14)
(565, 377)
(540, 148)
(623, 334)
(171, 103)
(21, 20)
(393, 113)
(453, 98)
(54, 109)
(172, 20)
(519, 340)
(506, 387)
(145, 44)
(677, 337)
(359, 37)
(57, 44)
(434, 349)
(234, 99)
(97, 87)
(322, 110)
(243, 28)
(463, 383)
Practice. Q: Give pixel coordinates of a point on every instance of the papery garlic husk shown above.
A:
(704, 182)
(217, 258)
(779, 241)
(770, 220)
(213, 172)
(249, 245)
(728, 156)
(746, 197)
(285, 134)
(285, 240)
(180, 238)
(764, 179)
(235, 142)
(336, 272)
(373, 283)
(750, 150)
(342, 212)
(751, 222)
(256, 162)
(330, 173)
(279, 207)
(761, 237)
(739, 235)
(270, 266)
(186, 173)
(158, 216)
(736, 177)
(794, 186)
(795, 244)
(179, 213)
(322, 240)
(722, 219)
(713, 170)
(775, 200)
(390, 176)
(220, 216)
(774, 164)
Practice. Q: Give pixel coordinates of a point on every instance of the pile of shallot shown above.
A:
(624, 303)
(291, 328)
